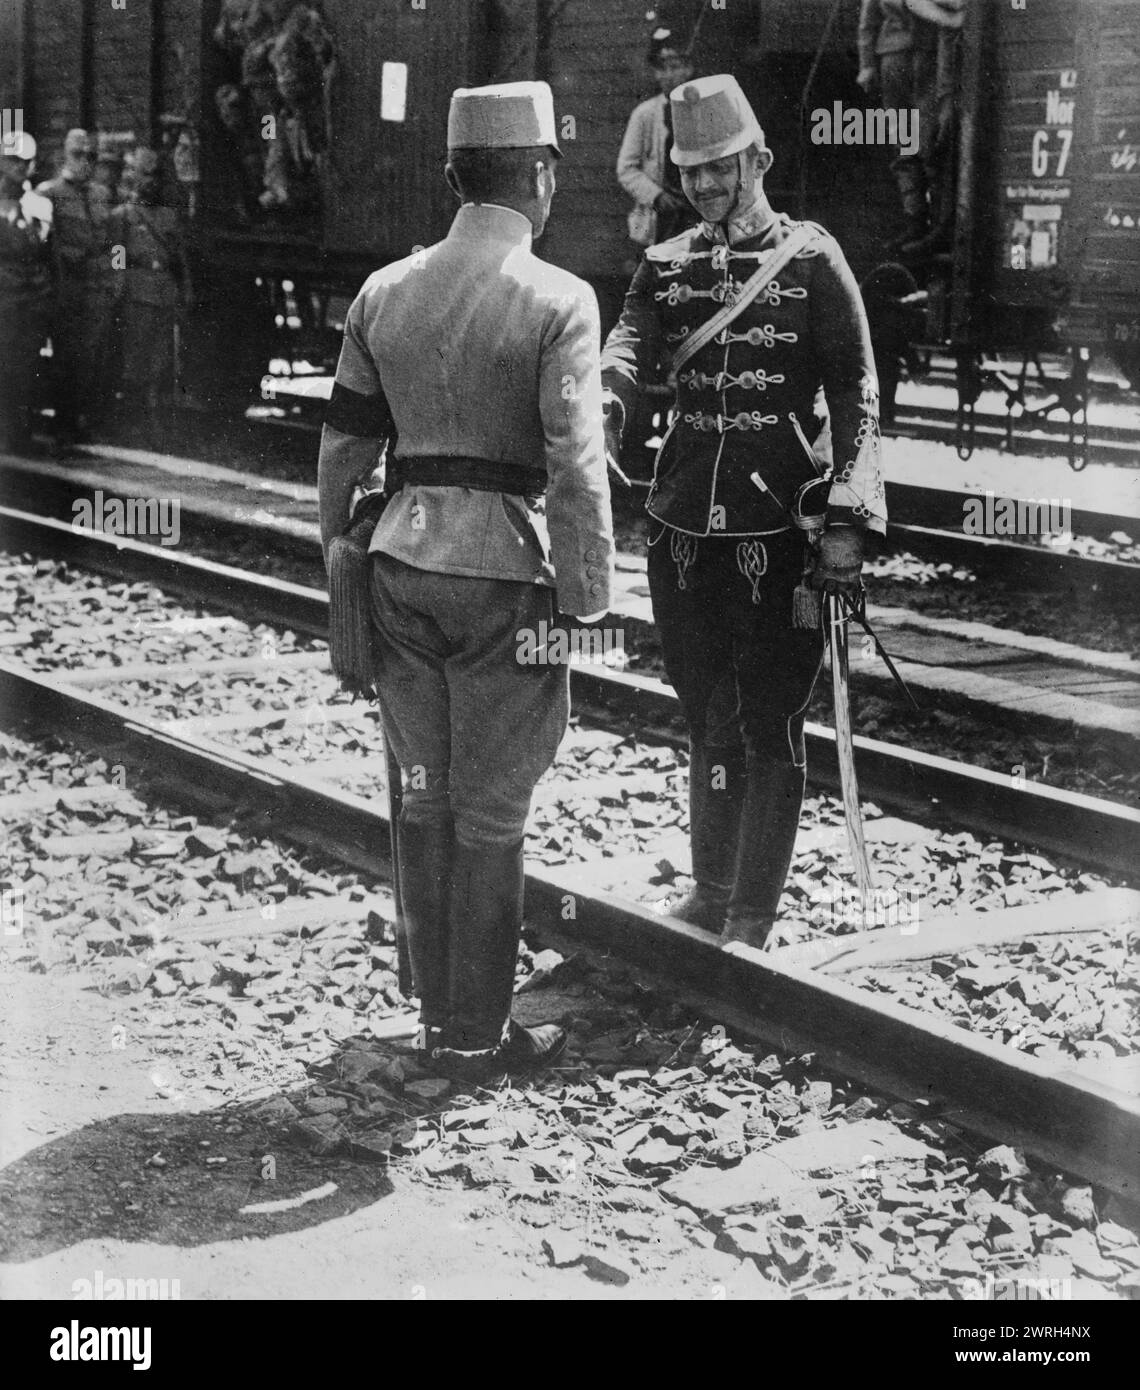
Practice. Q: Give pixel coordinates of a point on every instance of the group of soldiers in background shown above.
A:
(275, 107)
(92, 261)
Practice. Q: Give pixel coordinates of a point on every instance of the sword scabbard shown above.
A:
(844, 743)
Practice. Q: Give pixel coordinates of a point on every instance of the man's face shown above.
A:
(13, 171)
(712, 188)
(671, 69)
(79, 161)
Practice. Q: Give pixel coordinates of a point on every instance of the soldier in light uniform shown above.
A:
(725, 558)
(479, 364)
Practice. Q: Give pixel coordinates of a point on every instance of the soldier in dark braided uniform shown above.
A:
(725, 557)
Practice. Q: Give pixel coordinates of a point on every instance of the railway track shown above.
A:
(52, 489)
(1057, 1109)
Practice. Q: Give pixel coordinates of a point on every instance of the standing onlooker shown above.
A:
(108, 169)
(898, 61)
(644, 168)
(156, 281)
(946, 17)
(85, 289)
(25, 286)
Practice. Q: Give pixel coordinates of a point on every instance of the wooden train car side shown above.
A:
(1049, 211)
(1047, 238)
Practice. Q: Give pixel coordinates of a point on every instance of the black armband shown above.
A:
(367, 417)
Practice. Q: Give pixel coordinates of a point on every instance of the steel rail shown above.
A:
(1054, 1112)
(1078, 829)
(913, 511)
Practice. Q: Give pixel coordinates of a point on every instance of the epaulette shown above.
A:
(815, 246)
(674, 247)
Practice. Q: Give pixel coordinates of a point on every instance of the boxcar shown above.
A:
(1045, 254)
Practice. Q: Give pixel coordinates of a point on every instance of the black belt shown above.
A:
(481, 474)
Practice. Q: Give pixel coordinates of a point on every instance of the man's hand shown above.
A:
(868, 79)
(840, 561)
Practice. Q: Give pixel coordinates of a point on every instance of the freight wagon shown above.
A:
(305, 144)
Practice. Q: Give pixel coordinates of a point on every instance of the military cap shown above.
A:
(512, 115)
(18, 144)
(711, 119)
(664, 41)
(77, 141)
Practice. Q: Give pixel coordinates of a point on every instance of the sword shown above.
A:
(858, 610)
(836, 620)
(395, 804)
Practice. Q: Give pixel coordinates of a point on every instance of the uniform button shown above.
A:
(595, 588)
(591, 571)
(591, 554)
(743, 420)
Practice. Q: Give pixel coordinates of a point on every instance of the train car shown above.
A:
(305, 145)
(306, 139)
(1046, 255)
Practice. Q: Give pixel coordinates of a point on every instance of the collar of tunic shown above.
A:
(495, 221)
(757, 220)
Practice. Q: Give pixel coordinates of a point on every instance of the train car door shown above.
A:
(398, 63)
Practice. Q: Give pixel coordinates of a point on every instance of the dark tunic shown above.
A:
(25, 305)
(741, 397)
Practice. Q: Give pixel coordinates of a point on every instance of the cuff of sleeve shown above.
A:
(613, 416)
(847, 516)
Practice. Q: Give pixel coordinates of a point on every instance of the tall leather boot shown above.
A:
(716, 797)
(427, 851)
(485, 923)
(768, 825)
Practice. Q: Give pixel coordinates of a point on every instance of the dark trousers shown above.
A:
(473, 729)
(22, 333)
(744, 677)
(82, 344)
(743, 674)
(908, 82)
